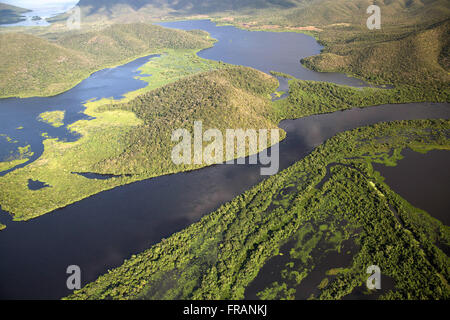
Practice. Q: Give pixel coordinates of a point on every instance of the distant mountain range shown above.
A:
(291, 12)
(412, 47)
(284, 12)
(185, 7)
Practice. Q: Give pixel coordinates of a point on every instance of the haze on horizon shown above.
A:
(42, 4)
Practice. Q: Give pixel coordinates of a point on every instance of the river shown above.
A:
(98, 233)
(422, 179)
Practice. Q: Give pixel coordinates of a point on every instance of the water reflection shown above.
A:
(100, 232)
(24, 113)
(422, 179)
(265, 51)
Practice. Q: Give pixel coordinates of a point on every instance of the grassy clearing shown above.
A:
(57, 162)
(171, 66)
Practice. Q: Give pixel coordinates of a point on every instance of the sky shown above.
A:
(41, 4)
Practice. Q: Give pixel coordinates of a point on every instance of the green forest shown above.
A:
(280, 239)
(308, 97)
(411, 48)
(133, 141)
(232, 97)
(46, 65)
(220, 256)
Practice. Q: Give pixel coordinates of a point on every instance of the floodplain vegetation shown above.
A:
(131, 138)
(16, 157)
(330, 198)
(330, 203)
(309, 97)
(53, 118)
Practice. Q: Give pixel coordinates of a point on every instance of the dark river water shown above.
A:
(423, 180)
(19, 117)
(265, 51)
(98, 233)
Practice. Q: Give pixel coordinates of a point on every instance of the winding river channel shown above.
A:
(98, 233)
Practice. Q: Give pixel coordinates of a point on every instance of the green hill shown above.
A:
(232, 97)
(34, 66)
(394, 12)
(133, 137)
(414, 56)
(182, 7)
(411, 48)
(119, 42)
